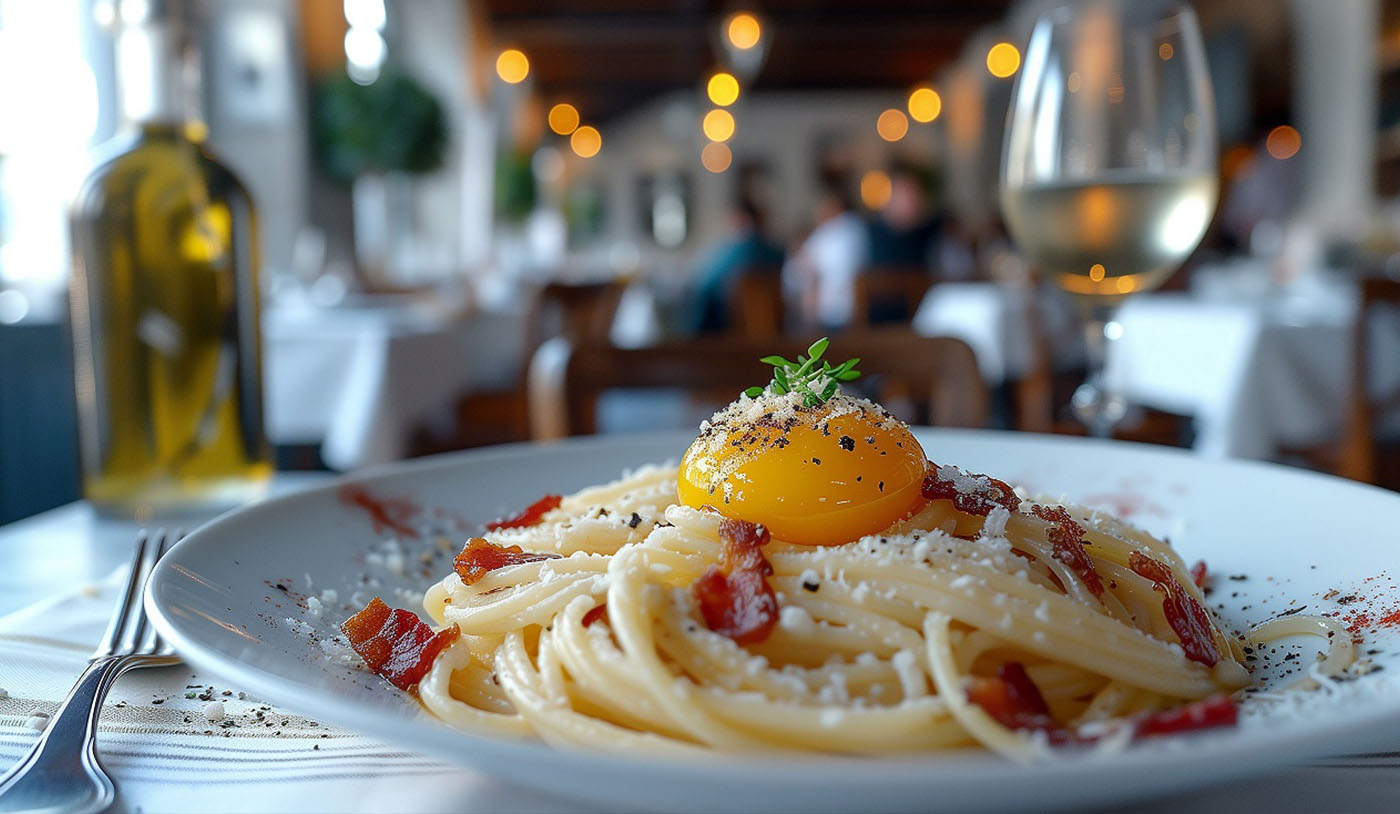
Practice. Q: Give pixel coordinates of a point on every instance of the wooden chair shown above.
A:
(755, 304)
(895, 288)
(939, 374)
(1358, 456)
(580, 312)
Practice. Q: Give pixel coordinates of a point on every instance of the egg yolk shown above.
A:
(818, 477)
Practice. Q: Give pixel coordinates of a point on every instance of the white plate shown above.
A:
(1294, 535)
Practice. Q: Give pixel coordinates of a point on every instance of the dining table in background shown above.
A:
(359, 380)
(1260, 367)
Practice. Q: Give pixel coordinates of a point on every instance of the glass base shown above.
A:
(178, 502)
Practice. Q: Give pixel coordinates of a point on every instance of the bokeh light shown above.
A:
(563, 118)
(512, 66)
(925, 104)
(586, 141)
(718, 125)
(875, 189)
(723, 89)
(716, 156)
(892, 125)
(743, 30)
(1283, 142)
(1003, 59)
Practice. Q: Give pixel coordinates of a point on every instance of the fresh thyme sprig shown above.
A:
(816, 384)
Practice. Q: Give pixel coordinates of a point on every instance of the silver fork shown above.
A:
(62, 773)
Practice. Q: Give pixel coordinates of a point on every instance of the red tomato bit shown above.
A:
(735, 598)
(1208, 713)
(1012, 699)
(987, 492)
(480, 557)
(529, 516)
(387, 514)
(395, 644)
(1067, 537)
(1184, 614)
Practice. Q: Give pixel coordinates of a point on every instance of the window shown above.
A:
(48, 120)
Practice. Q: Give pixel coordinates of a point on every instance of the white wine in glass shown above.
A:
(1109, 173)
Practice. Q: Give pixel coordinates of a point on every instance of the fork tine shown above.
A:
(123, 609)
(135, 626)
(151, 641)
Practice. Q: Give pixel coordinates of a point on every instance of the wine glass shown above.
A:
(1109, 172)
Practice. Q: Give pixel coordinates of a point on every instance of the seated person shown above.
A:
(902, 237)
(744, 250)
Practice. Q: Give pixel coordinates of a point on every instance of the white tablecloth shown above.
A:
(1257, 373)
(995, 320)
(358, 381)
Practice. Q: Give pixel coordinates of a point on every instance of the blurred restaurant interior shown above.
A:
(487, 221)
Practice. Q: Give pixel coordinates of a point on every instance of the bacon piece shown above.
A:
(1198, 574)
(1184, 614)
(741, 606)
(528, 516)
(597, 613)
(743, 546)
(395, 644)
(989, 492)
(387, 514)
(1067, 537)
(1012, 699)
(735, 598)
(480, 557)
(1207, 713)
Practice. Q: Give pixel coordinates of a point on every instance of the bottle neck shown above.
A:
(158, 75)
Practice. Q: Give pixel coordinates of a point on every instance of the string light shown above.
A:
(718, 125)
(563, 118)
(875, 189)
(892, 125)
(1003, 59)
(924, 104)
(586, 142)
(723, 89)
(1283, 142)
(743, 30)
(512, 66)
(716, 157)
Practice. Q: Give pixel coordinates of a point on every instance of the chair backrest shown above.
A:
(755, 304)
(938, 374)
(1358, 453)
(897, 290)
(580, 312)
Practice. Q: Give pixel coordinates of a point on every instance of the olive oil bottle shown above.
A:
(164, 297)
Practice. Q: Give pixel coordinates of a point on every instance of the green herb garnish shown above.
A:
(816, 384)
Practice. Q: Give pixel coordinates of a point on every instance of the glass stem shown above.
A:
(1094, 405)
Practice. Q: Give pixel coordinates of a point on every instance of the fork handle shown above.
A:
(61, 771)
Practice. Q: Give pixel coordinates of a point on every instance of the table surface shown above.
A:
(63, 547)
